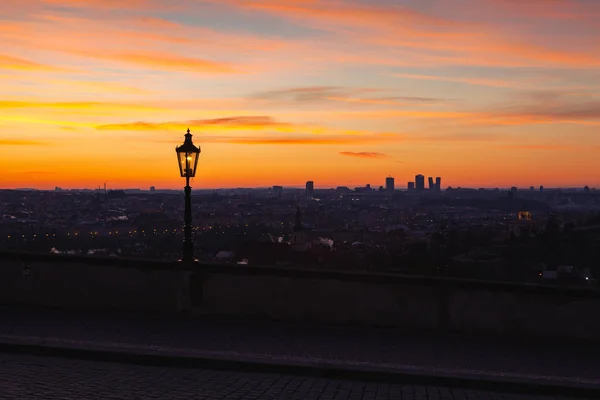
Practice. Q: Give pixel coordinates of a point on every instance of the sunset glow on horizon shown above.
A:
(484, 93)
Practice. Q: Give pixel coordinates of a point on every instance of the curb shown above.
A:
(312, 369)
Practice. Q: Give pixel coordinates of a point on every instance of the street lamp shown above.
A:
(187, 157)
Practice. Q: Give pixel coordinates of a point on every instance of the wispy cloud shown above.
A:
(21, 142)
(30, 172)
(306, 94)
(306, 140)
(88, 86)
(166, 61)
(364, 154)
(570, 10)
(560, 111)
(77, 105)
(446, 41)
(326, 140)
(467, 80)
(266, 131)
(109, 4)
(101, 5)
(235, 122)
(315, 94)
(19, 64)
(536, 147)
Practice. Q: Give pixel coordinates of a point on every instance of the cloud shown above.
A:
(345, 14)
(388, 101)
(568, 110)
(314, 94)
(97, 86)
(415, 38)
(316, 140)
(549, 9)
(77, 105)
(110, 4)
(537, 147)
(106, 5)
(364, 154)
(30, 172)
(467, 80)
(301, 94)
(555, 97)
(584, 112)
(163, 61)
(149, 42)
(19, 64)
(239, 122)
(269, 131)
(295, 140)
(21, 142)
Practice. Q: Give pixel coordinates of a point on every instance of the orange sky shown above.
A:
(277, 92)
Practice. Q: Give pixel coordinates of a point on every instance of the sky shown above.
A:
(484, 93)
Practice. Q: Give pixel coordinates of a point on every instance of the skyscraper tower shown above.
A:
(390, 185)
(310, 189)
(438, 184)
(431, 184)
(420, 182)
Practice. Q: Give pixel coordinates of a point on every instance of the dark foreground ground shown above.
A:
(551, 361)
(26, 377)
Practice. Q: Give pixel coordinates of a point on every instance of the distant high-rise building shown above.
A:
(390, 185)
(531, 188)
(420, 182)
(277, 191)
(152, 188)
(411, 186)
(364, 189)
(310, 189)
(541, 189)
(438, 184)
(431, 184)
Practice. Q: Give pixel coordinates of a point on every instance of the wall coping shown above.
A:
(308, 273)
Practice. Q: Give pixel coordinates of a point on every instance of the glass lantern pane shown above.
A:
(193, 159)
(181, 160)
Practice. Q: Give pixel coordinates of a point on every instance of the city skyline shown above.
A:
(486, 93)
(401, 186)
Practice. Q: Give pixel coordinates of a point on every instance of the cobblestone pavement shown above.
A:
(387, 348)
(26, 377)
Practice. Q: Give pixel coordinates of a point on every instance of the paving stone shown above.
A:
(24, 377)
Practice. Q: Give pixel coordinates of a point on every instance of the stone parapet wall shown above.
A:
(301, 296)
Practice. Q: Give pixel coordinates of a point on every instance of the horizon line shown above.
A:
(295, 187)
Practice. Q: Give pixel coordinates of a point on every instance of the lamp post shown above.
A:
(187, 157)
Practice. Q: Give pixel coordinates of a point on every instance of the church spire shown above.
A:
(298, 225)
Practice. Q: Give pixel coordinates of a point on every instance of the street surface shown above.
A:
(386, 348)
(25, 377)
